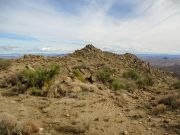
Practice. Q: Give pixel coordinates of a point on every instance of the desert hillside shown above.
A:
(88, 92)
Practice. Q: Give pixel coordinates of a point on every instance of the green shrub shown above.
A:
(35, 91)
(131, 75)
(39, 76)
(105, 75)
(176, 85)
(26, 56)
(4, 64)
(116, 84)
(145, 81)
(78, 75)
(129, 87)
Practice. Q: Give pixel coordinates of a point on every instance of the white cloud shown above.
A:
(154, 26)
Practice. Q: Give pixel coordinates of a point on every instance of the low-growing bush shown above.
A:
(9, 125)
(172, 100)
(116, 84)
(105, 75)
(159, 109)
(145, 81)
(35, 91)
(78, 75)
(176, 85)
(4, 64)
(129, 86)
(26, 56)
(39, 76)
(131, 75)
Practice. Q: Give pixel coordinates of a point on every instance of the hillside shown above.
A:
(88, 92)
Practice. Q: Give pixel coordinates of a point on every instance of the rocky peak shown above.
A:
(88, 50)
(90, 47)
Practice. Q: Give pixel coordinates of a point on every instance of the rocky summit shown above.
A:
(88, 92)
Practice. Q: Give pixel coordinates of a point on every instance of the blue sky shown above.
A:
(61, 26)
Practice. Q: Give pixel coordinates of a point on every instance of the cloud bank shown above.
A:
(138, 26)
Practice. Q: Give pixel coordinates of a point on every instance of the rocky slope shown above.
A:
(94, 92)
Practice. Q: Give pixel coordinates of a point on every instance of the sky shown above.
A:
(62, 26)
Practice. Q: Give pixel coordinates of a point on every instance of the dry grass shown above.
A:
(7, 124)
(10, 126)
(171, 100)
(4, 64)
(30, 128)
(161, 108)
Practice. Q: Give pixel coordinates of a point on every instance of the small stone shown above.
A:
(149, 120)
(45, 110)
(41, 130)
(124, 133)
(67, 115)
(166, 121)
(13, 101)
(96, 119)
(106, 119)
(153, 125)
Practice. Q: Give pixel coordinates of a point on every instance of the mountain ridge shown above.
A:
(88, 92)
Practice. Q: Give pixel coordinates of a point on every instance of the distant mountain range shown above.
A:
(17, 55)
(142, 56)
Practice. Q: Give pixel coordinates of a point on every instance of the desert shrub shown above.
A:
(78, 75)
(131, 75)
(145, 81)
(35, 91)
(26, 56)
(172, 100)
(160, 108)
(105, 75)
(39, 76)
(176, 85)
(7, 124)
(4, 64)
(28, 128)
(116, 84)
(82, 66)
(129, 86)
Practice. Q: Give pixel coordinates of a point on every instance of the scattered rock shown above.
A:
(96, 119)
(106, 119)
(166, 120)
(124, 132)
(75, 129)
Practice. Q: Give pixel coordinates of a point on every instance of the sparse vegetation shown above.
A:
(129, 86)
(105, 75)
(4, 64)
(176, 85)
(32, 80)
(32, 56)
(78, 75)
(116, 84)
(172, 100)
(39, 76)
(35, 91)
(9, 125)
(160, 108)
(145, 81)
(131, 75)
